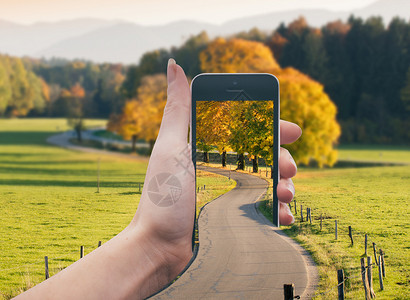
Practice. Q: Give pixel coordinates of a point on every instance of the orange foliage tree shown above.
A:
(210, 113)
(303, 100)
(236, 55)
(141, 117)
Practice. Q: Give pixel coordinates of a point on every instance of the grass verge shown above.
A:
(374, 201)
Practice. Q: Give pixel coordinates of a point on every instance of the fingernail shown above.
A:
(171, 71)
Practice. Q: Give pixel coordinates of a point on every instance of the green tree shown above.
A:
(5, 86)
(150, 63)
(22, 93)
(187, 55)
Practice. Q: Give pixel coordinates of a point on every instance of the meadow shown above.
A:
(374, 201)
(49, 200)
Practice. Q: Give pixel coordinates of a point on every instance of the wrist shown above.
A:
(162, 259)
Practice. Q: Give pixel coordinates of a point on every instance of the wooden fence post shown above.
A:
(365, 245)
(310, 215)
(380, 273)
(370, 276)
(289, 290)
(46, 266)
(350, 234)
(98, 175)
(301, 213)
(307, 214)
(296, 210)
(321, 218)
(99, 243)
(374, 251)
(335, 229)
(364, 279)
(81, 251)
(340, 284)
(383, 268)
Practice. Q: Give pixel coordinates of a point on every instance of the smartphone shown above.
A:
(235, 121)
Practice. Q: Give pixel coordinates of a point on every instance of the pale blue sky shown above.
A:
(149, 12)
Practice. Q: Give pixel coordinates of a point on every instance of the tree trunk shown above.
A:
(271, 172)
(255, 164)
(133, 141)
(79, 136)
(241, 161)
(224, 159)
(206, 157)
(151, 145)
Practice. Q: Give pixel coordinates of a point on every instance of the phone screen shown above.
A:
(236, 135)
(235, 127)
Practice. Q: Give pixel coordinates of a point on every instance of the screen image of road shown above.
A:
(235, 134)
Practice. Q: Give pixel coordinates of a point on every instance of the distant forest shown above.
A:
(363, 65)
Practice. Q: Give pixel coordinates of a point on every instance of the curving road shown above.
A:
(241, 256)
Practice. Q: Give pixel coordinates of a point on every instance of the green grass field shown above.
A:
(375, 153)
(374, 201)
(50, 205)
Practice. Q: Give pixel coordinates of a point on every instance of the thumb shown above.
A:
(175, 121)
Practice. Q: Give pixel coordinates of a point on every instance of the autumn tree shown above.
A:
(127, 124)
(141, 117)
(213, 127)
(236, 55)
(303, 101)
(277, 43)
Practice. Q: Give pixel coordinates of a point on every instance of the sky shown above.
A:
(156, 12)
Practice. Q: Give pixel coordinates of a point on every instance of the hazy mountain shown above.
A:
(123, 42)
(385, 8)
(119, 41)
(21, 40)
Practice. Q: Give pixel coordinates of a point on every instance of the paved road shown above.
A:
(241, 256)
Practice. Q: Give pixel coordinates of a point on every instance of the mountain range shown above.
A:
(118, 41)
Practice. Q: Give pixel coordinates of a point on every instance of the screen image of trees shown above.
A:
(244, 128)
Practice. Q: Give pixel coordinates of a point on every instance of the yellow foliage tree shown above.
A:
(213, 127)
(303, 100)
(141, 117)
(236, 56)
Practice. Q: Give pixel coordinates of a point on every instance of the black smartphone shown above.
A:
(235, 120)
